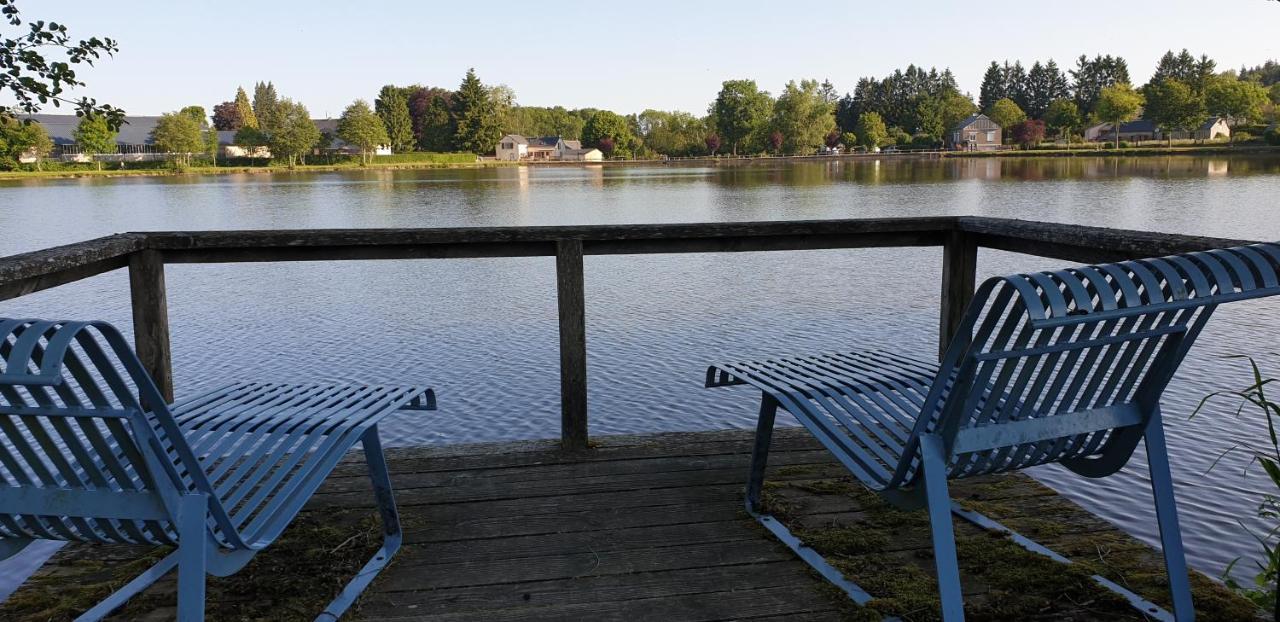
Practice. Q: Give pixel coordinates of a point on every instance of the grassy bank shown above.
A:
(403, 161)
(1122, 152)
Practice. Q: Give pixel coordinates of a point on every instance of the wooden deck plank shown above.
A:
(640, 528)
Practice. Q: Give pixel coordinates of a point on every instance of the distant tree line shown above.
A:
(914, 106)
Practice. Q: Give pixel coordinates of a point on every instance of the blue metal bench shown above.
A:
(90, 452)
(1060, 367)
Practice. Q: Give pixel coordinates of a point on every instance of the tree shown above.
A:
(1045, 83)
(293, 133)
(871, 130)
(196, 113)
(430, 111)
(40, 142)
(1117, 104)
(1091, 76)
(832, 139)
(1006, 113)
(1063, 116)
(993, 86)
(475, 117)
(94, 136)
(672, 133)
(1274, 93)
(359, 126)
(18, 139)
(741, 111)
(393, 108)
(775, 142)
(1028, 133)
(247, 117)
(611, 130)
(226, 117)
(713, 143)
(1242, 101)
(211, 144)
(1172, 105)
(178, 133)
(33, 80)
(264, 105)
(250, 138)
(803, 117)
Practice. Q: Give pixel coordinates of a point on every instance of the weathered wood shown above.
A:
(151, 317)
(573, 345)
(27, 273)
(659, 549)
(1081, 243)
(959, 271)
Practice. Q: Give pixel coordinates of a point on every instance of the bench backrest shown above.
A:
(1068, 366)
(88, 447)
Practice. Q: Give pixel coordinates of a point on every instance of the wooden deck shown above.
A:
(641, 528)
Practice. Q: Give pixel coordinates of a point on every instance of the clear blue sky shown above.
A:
(621, 56)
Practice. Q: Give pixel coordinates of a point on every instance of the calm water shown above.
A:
(483, 332)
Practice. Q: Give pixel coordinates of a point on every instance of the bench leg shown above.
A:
(942, 532)
(760, 452)
(193, 511)
(1167, 515)
(392, 536)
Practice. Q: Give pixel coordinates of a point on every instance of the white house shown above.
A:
(514, 148)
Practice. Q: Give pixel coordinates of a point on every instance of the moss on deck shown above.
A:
(887, 552)
(292, 580)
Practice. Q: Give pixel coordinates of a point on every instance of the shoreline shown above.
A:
(724, 161)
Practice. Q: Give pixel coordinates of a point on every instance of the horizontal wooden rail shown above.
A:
(145, 253)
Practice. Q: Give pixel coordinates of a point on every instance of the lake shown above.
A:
(483, 331)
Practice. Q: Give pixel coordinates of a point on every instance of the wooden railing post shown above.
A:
(573, 345)
(959, 275)
(151, 317)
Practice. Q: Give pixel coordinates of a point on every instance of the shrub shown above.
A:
(1241, 137)
(1273, 135)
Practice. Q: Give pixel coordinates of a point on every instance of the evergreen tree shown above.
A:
(94, 137)
(359, 126)
(393, 107)
(993, 86)
(1091, 76)
(1045, 83)
(475, 117)
(1015, 83)
(247, 117)
(265, 101)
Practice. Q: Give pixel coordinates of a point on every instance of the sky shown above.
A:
(620, 56)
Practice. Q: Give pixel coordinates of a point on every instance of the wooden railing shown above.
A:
(145, 255)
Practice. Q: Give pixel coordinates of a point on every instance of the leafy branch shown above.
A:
(34, 80)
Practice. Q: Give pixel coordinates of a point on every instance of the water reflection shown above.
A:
(483, 331)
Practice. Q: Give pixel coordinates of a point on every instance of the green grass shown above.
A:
(56, 170)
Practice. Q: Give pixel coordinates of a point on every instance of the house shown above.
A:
(975, 133)
(332, 145)
(514, 148)
(133, 141)
(1214, 127)
(581, 155)
(1096, 132)
(1131, 131)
